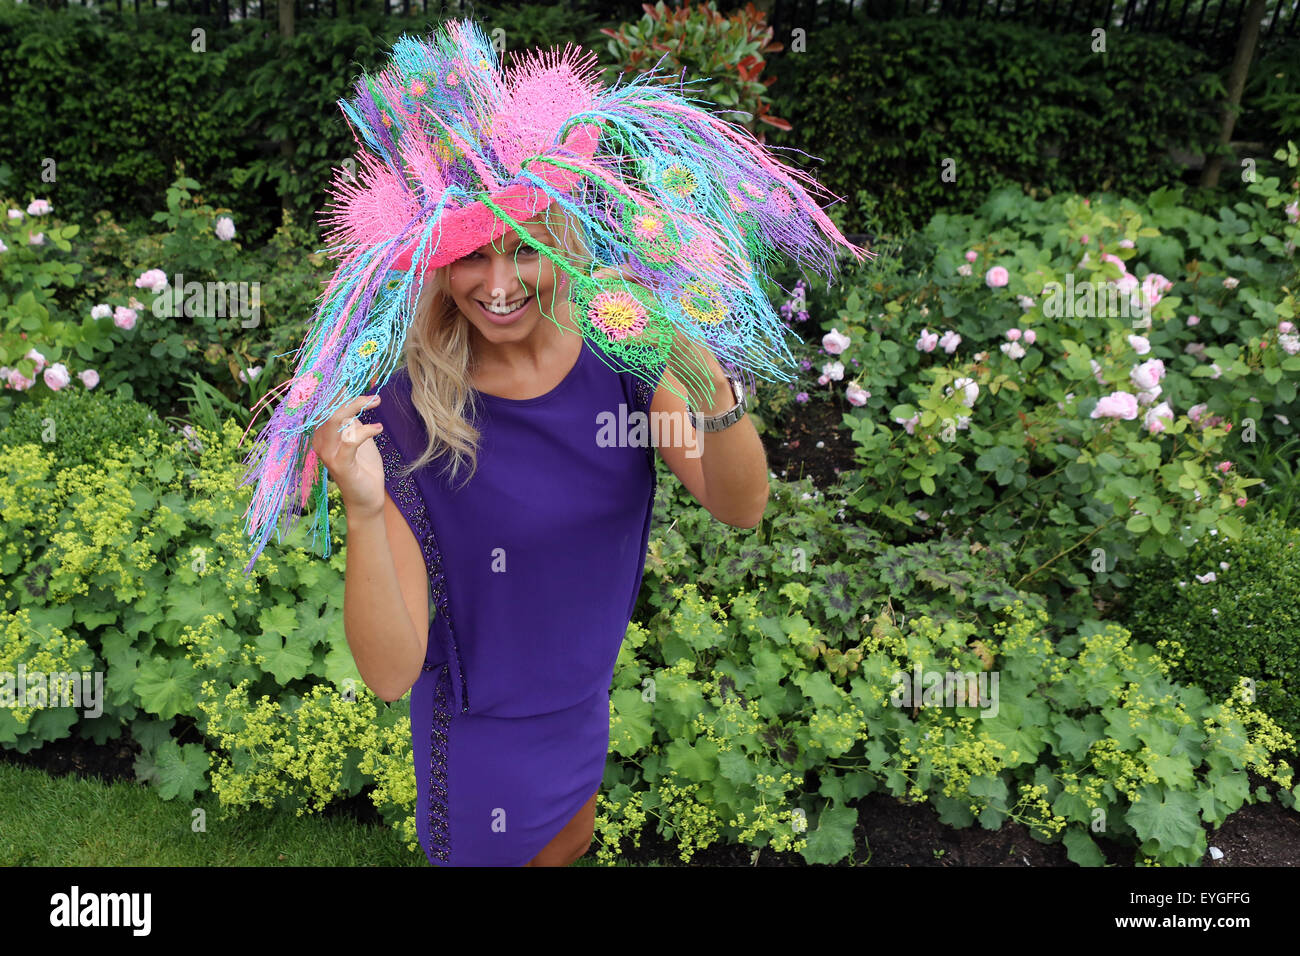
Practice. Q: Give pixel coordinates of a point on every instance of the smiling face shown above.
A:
(499, 286)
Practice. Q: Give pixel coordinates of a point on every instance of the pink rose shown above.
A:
(38, 358)
(927, 341)
(910, 423)
(1286, 327)
(1196, 411)
(1110, 257)
(1158, 418)
(971, 255)
(997, 277)
(89, 378)
(1148, 374)
(155, 280)
(949, 341)
(19, 382)
(823, 380)
(1126, 243)
(101, 311)
(39, 207)
(1030, 336)
(856, 394)
(56, 376)
(1241, 502)
(1193, 320)
(1140, 344)
(36, 239)
(964, 269)
(124, 318)
(225, 229)
(1013, 335)
(1117, 405)
(835, 341)
(1224, 466)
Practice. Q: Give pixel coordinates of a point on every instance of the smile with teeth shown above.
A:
(507, 308)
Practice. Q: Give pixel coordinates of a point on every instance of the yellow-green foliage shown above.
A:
(721, 708)
(295, 752)
(150, 540)
(47, 650)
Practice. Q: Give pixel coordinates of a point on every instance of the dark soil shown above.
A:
(791, 443)
(889, 833)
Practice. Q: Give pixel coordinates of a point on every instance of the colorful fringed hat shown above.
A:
(455, 151)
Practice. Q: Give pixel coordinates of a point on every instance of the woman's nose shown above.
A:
(505, 277)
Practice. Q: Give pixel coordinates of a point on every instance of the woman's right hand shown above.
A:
(352, 458)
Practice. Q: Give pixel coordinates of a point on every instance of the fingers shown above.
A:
(353, 408)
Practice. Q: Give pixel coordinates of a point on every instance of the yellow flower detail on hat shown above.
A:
(736, 202)
(367, 348)
(701, 304)
(618, 314)
(678, 179)
(648, 228)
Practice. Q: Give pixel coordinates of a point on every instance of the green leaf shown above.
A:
(1168, 817)
(1081, 849)
(698, 762)
(633, 731)
(820, 689)
(166, 686)
(832, 841)
(286, 659)
(280, 619)
(189, 604)
(182, 770)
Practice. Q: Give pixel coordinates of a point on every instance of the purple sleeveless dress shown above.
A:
(534, 568)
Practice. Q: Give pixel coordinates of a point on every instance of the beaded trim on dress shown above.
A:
(408, 499)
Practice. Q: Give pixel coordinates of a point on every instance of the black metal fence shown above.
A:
(1207, 24)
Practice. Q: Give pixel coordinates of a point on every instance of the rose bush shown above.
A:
(1095, 429)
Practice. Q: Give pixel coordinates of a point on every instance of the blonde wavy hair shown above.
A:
(438, 358)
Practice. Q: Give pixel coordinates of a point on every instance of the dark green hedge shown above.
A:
(1244, 623)
(115, 101)
(885, 103)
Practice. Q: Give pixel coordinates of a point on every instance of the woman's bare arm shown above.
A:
(385, 601)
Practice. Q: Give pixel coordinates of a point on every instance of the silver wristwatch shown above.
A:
(716, 423)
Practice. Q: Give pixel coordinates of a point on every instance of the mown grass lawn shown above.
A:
(75, 821)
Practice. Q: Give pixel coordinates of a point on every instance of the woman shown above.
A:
(548, 513)
(504, 469)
